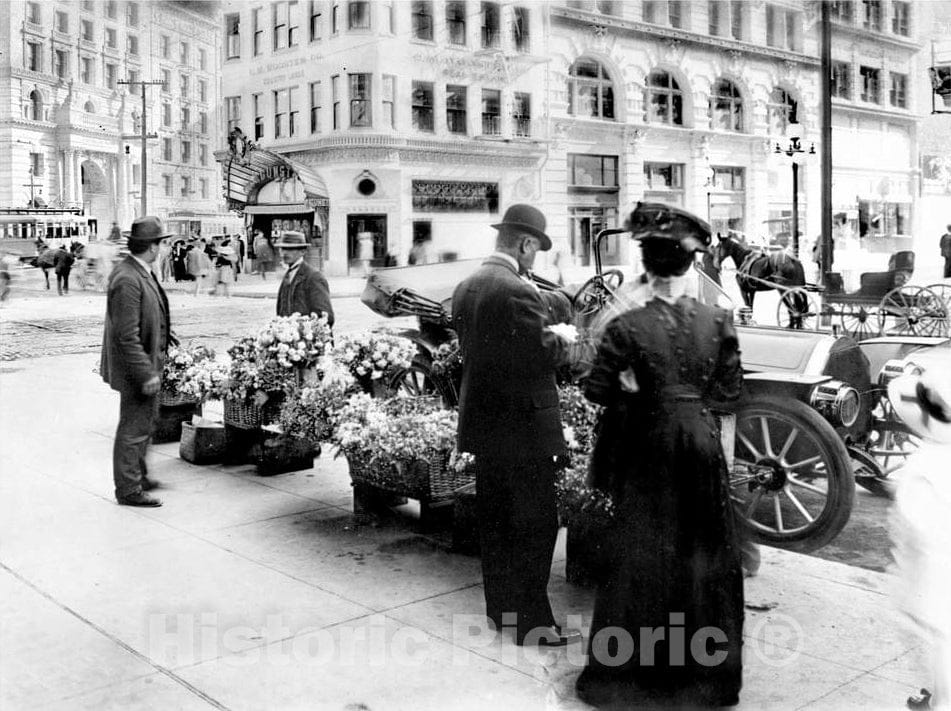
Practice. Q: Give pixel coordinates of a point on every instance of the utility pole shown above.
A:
(145, 136)
(825, 159)
(30, 185)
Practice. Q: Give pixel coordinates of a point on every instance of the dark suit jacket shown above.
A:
(137, 328)
(307, 293)
(508, 403)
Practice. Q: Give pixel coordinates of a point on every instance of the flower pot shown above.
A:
(242, 445)
(168, 424)
(204, 443)
(587, 554)
(282, 453)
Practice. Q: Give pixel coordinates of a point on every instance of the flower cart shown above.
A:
(402, 447)
(183, 389)
(263, 368)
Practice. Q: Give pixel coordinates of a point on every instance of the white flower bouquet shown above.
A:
(186, 370)
(294, 341)
(374, 356)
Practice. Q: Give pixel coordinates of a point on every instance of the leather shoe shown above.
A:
(553, 636)
(139, 499)
(149, 484)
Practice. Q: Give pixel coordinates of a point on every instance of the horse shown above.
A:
(764, 271)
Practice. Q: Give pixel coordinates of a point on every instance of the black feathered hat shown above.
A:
(655, 220)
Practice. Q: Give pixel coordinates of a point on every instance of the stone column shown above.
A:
(68, 186)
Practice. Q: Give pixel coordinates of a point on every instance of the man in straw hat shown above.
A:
(919, 519)
(136, 336)
(303, 290)
(509, 419)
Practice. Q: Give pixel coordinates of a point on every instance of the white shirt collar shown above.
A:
(507, 258)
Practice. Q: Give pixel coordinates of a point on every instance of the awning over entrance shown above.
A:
(244, 177)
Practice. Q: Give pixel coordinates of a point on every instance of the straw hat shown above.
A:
(923, 402)
(292, 240)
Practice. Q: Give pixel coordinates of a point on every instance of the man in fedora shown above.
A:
(136, 336)
(510, 420)
(303, 290)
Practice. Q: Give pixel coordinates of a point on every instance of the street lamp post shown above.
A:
(794, 149)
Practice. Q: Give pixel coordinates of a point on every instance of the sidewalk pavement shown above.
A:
(257, 593)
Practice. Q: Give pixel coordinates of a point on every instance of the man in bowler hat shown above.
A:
(510, 420)
(303, 289)
(136, 336)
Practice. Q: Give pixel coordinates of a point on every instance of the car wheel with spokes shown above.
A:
(792, 480)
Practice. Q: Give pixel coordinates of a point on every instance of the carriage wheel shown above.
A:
(943, 292)
(792, 481)
(857, 322)
(797, 310)
(912, 311)
(890, 441)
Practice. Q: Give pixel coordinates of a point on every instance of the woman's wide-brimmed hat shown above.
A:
(292, 240)
(148, 229)
(923, 402)
(655, 220)
(525, 218)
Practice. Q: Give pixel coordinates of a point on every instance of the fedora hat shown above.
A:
(655, 220)
(923, 402)
(148, 229)
(525, 218)
(292, 240)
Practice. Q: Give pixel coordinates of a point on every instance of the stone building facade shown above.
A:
(72, 130)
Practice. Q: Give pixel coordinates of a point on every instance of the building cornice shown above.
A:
(839, 28)
(875, 111)
(636, 28)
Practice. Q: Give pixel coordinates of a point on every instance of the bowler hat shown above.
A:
(148, 229)
(655, 220)
(526, 219)
(292, 240)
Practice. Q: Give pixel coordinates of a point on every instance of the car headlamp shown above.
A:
(838, 402)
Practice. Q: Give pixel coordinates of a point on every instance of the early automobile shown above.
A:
(812, 419)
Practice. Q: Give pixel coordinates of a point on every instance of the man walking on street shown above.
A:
(62, 264)
(509, 419)
(303, 290)
(946, 252)
(136, 336)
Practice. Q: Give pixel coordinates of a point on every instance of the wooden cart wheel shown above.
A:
(857, 322)
(797, 310)
(912, 311)
(943, 292)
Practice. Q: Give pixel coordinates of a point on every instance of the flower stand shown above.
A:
(202, 442)
(587, 554)
(243, 422)
(432, 483)
(280, 453)
(168, 424)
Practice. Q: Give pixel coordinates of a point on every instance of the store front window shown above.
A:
(728, 200)
(664, 182)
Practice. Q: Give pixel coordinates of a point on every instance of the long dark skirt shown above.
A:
(675, 578)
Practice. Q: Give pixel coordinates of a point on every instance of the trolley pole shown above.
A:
(825, 161)
(143, 194)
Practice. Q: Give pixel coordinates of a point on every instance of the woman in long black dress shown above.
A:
(660, 370)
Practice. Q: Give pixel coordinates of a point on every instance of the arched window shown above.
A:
(590, 91)
(726, 107)
(781, 111)
(36, 105)
(663, 100)
(89, 107)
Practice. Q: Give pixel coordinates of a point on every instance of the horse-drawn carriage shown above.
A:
(813, 419)
(885, 304)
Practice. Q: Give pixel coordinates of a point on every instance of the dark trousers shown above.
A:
(947, 267)
(518, 524)
(62, 281)
(137, 412)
